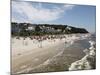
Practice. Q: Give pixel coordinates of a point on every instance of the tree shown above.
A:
(37, 29)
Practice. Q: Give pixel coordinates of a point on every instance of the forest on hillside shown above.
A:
(27, 29)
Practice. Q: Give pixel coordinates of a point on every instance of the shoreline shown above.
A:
(71, 39)
(60, 62)
(88, 61)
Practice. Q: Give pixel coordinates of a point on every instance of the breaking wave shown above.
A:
(88, 61)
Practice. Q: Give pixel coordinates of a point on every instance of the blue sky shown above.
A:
(53, 13)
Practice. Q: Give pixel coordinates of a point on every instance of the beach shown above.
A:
(32, 56)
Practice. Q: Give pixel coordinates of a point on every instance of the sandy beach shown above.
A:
(29, 56)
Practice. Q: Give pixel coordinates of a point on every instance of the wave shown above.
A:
(88, 61)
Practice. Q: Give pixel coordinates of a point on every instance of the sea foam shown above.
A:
(88, 61)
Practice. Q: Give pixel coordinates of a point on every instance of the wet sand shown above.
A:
(55, 56)
(62, 62)
(34, 57)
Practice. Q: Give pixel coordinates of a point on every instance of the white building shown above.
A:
(31, 28)
(68, 28)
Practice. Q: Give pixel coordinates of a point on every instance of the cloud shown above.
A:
(27, 12)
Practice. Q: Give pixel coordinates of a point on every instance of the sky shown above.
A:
(82, 16)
